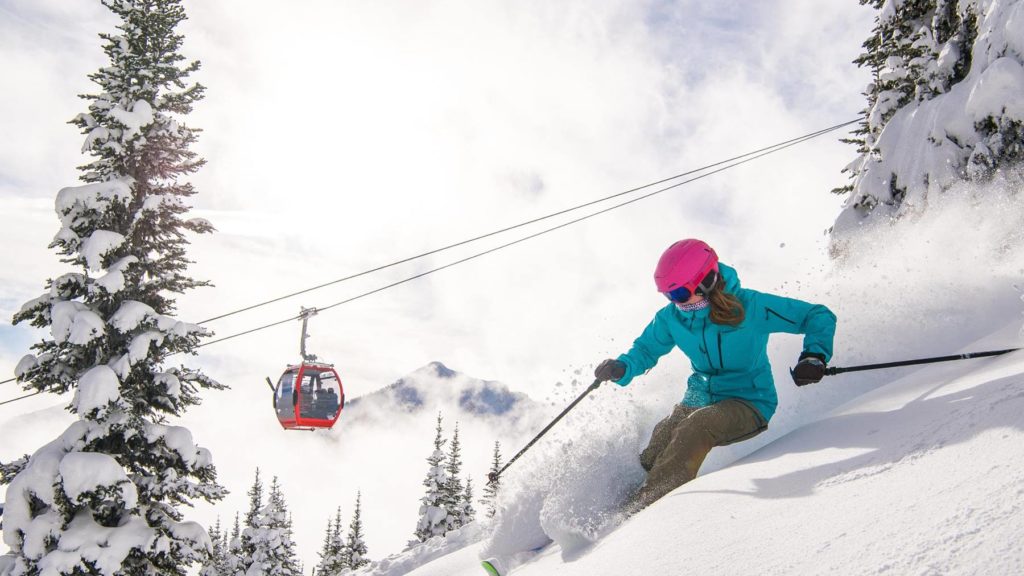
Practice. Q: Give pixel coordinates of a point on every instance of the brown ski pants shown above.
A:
(681, 441)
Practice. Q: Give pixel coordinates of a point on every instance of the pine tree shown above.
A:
(493, 485)
(355, 547)
(234, 547)
(246, 550)
(468, 511)
(433, 520)
(120, 466)
(332, 555)
(290, 533)
(266, 547)
(227, 557)
(894, 54)
(236, 531)
(278, 524)
(209, 564)
(255, 502)
(454, 492)
(921, 51)
(217, 562)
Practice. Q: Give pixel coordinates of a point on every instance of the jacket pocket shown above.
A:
(737, 351)
(727, 356)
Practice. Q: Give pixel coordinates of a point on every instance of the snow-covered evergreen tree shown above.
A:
(227, 558)
(234, 548)
(944, 104)
(246, 549)
(255, 493)
(277, 523)
(454, 492)
(332, 555)
(266, 548)
(300, 566)
(468, 511)
(355, 547)
(217, 562)
(490, 497)
(104, 496)
(433, 520)
(208, 567)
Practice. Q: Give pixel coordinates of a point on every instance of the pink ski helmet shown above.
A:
(688, 266)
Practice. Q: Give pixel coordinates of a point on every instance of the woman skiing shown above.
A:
(723, 329)
(730, 397)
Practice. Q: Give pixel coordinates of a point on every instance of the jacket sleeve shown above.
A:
(653, 343)
(771, 313)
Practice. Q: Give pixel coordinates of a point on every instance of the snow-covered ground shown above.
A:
(921, 476)
(903, 471)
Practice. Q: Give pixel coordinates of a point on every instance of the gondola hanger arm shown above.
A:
(305, 315)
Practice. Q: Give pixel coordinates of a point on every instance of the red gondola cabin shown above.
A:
(309, 396)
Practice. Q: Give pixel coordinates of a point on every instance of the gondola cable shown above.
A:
(36, 393)
(730, 163)
(773, 148)
(509, 244)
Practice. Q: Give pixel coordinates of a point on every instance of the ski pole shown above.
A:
(494, 475)
(832, 371)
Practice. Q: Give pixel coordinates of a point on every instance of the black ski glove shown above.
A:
(609, 370)
(809, 370)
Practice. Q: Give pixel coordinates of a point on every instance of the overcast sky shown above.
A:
(343, 135)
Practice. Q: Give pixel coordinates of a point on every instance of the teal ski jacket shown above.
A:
(731, 361)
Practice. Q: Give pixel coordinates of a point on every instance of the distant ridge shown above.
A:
(435, 385)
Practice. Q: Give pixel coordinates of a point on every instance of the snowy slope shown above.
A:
(902, 471)
(920, 476)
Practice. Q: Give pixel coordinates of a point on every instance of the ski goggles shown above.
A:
(683, 293)
(679, 295)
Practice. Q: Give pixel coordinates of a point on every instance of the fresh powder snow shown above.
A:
(908, 471)
(97, 388)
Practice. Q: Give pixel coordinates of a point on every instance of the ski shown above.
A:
(493, 567)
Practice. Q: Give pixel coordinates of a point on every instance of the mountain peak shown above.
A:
(438, 369)
(435, 385)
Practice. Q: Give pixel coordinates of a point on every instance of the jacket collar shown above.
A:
(691, 315)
